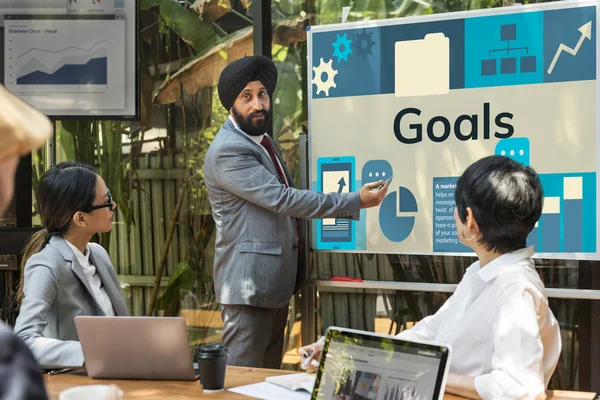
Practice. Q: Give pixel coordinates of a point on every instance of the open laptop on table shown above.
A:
(135, 348)
(362, 365)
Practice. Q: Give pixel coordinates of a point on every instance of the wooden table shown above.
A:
(164, 390)
(235, 376)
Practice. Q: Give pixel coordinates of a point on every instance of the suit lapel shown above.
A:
(109, 285)
(78, 271)
(113, 292)
(61, 245)
(266, 160)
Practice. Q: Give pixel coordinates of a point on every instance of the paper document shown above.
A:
(422, 67)
(268, 391)
(302, 381)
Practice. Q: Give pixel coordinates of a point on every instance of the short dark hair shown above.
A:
(506, 198)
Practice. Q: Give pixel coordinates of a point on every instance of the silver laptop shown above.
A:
(363, 365)
(135, 348)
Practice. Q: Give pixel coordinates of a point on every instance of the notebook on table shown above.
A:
(296, 382)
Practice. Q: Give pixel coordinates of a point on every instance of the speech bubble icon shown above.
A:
(376, 170)
(515, 148)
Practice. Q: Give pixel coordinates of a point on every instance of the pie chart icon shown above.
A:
(397, 215)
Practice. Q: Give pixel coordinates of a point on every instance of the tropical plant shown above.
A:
(100, 144)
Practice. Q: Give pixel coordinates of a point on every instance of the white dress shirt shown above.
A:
(258, 140)
(94, 280)
(500, 328)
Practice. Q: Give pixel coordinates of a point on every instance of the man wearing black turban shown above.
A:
(255, 208)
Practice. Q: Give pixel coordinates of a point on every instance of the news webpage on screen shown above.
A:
(372, 370)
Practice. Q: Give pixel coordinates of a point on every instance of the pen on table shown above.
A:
(310, 354)
(59, 371)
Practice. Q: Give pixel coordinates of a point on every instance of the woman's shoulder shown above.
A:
(97, 249)
(49, 256)
(101, 258)
(521, 277)
(99, 253)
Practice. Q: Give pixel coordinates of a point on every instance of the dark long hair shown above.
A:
(63, 190)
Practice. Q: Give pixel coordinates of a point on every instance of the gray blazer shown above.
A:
(256, 248)
(56, 291)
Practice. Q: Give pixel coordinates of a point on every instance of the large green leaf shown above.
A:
(183, 278)
(146, 86)
(368, 9)
(66, 139)
(146, 4)
(286, 98)
(204, 69)
(79, 140)
(187, 25)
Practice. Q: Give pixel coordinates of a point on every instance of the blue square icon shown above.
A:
(495, 38)
(488, 67)
(508, 65)
(528, 63)
(508, 32)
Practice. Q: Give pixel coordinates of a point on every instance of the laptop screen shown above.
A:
(364, 366)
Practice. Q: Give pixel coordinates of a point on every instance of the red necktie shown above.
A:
(268, 145)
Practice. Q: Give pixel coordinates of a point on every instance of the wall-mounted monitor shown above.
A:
(73, 58)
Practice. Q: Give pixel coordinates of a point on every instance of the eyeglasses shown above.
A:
(108, 204)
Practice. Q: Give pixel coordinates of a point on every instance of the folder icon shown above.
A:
(422, 67)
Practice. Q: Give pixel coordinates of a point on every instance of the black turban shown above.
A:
(236, 76)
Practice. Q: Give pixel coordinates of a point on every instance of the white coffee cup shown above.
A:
(92, 392)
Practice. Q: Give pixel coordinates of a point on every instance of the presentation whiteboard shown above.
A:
(421, 98)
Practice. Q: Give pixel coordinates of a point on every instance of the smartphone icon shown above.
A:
(336, 174)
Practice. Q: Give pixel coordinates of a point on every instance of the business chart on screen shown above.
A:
(72, 58)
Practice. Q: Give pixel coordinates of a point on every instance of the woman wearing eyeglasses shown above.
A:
(63, 274)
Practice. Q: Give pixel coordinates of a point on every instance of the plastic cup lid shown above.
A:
(212, 350)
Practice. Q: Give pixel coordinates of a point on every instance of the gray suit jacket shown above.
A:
(256, 249)
(56, 291)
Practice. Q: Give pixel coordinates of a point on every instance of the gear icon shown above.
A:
(364, 44)
(341, 48)
(324, 86)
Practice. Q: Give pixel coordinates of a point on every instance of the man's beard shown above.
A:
(248, 125)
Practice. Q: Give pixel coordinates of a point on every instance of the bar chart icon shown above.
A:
(550, 225)
(567, 224)
(573, 213)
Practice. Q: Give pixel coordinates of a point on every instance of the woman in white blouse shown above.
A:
(63, 274)
(505, 340)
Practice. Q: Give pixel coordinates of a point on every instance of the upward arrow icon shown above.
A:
(586, 33)
(342, 184)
